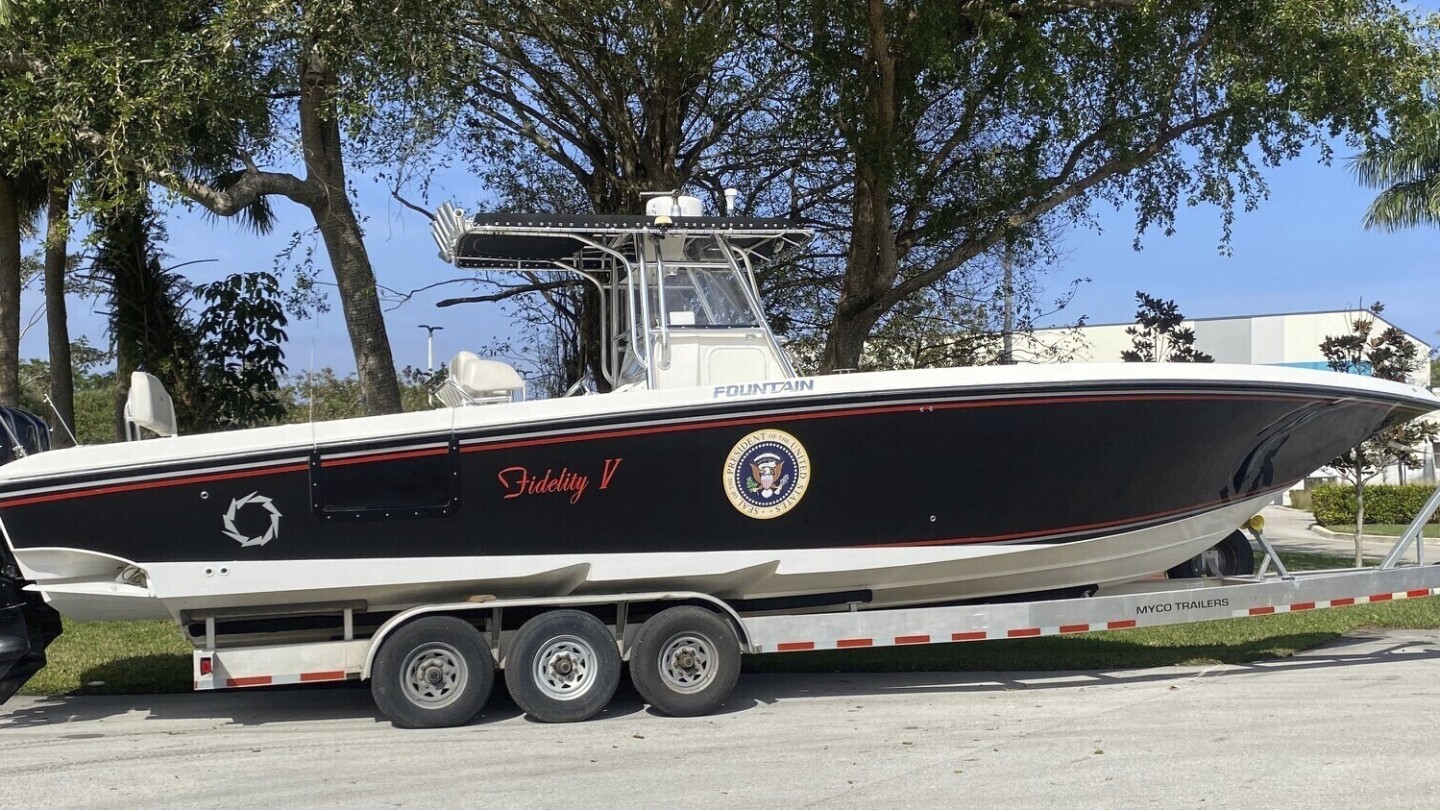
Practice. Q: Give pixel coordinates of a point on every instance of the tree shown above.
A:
(940, 129)
(587, 105)
(166, 90)
(150, 329)
(1388, 355)
(22, 195)
(1158, 336)
(242, 331)
(57, 327)
(1406, 167)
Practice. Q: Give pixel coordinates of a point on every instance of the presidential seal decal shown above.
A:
(766, 474)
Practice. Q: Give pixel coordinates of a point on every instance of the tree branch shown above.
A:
(1057, 197)
(251, 186)
(511, 292)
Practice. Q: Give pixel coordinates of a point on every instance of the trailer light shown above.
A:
(1256, 523)
(205, 666)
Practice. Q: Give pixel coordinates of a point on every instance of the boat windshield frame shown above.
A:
(623, 259)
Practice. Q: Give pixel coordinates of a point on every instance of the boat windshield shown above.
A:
(706, 297)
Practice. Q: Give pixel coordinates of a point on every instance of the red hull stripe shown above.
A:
(795, 646)
(1023, 632)
(258, 680)
(1298, 606)
(1261, 611)
(916, 639)
(1418, 593)
(1074, 628)
(972, 636)
(847, 643)
(1382, 597)
(1342, 602)
(342, 462)
(1121, 625)
(336, 675)
(166, 482)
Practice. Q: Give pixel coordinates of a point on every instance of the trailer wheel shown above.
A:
(1231, 557)
(434, 672)
(562, 667)
(685, 661)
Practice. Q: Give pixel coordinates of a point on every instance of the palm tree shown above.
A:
(1407, 170)
(22, 196)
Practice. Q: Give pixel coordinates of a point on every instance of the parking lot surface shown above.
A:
(1348, 724)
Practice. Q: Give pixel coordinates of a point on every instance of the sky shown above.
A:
(1303, 249)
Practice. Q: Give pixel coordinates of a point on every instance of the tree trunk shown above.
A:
(344, 241)
(9, 292)
(1359, 521)
(870, 268)
(62, 384)
(872, 261)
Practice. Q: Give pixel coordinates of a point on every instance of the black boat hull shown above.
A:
(861, 477)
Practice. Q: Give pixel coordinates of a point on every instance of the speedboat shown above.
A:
(708, 465)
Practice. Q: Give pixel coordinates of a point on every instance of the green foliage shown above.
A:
(1406, 166)
(94, 393)
(944, 127)
(324, 395)
(242, 329)
(1389, 355)
(1158, 336)
(1384, 503)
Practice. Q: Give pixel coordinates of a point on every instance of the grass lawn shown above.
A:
(1385, 529)
(148, 657)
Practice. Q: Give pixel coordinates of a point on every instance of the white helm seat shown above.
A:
(473, 380)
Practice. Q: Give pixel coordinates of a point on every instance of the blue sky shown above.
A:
(1303, 249)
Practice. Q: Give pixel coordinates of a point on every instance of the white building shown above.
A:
(1285, 339)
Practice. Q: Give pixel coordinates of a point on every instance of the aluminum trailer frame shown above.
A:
(1144, 604)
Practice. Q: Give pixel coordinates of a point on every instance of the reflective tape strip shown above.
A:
(1066, 629)
(272, 680)
(1346, 601)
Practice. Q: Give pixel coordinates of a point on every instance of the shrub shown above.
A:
(1300, 499)
(1384, 503)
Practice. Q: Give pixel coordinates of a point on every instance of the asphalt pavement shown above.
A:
(1349, 724)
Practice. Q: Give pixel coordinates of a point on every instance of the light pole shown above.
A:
(430, 345)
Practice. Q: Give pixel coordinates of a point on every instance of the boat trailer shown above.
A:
(434, 665)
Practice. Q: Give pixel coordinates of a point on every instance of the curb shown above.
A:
(1316, 528)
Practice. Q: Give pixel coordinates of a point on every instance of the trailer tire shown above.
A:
(434, 672)
(562, 667)
(685, 661)
(1233, 556)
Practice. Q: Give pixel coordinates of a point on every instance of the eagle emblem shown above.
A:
(767, 475)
